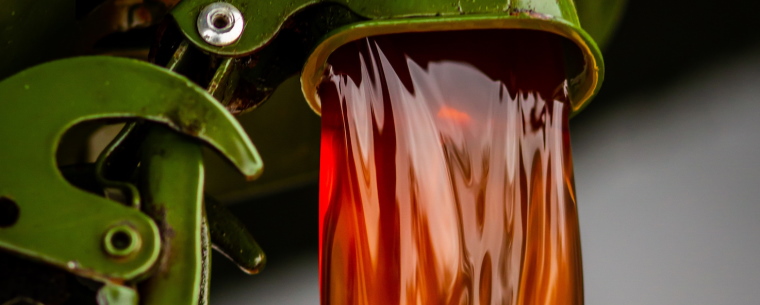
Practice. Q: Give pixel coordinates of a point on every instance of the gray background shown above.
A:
(669, 197)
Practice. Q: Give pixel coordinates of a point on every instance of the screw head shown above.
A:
(220, 24)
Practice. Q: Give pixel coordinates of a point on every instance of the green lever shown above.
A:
(171, 182)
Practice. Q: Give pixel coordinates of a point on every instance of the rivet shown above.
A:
(220, 24)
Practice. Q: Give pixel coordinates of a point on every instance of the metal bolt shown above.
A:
(121, 241)
(220, 24)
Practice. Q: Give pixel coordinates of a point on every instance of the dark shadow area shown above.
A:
(284, 225)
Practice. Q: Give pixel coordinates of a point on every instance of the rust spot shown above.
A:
(531, 13)
(213, 86)
(247, 97)
(185, 122)
(252, 177)
(192, 127)
(167, 234)
(75, 268)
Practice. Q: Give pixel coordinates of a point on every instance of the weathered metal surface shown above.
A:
(265, 19)
(55, 96)
(171, 181)
(265, 70)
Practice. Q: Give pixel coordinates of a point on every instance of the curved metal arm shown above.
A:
(38, 105)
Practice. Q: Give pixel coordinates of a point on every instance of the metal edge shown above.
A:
(312, 72)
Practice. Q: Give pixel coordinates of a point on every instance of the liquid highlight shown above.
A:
(446, 173)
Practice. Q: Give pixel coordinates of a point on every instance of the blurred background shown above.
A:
(667, 182)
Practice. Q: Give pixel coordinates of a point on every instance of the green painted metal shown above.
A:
(231, 238)
(171, 176)
(121, 241)
(582, 86)
(264, 20)
(379, 17)
(172, 183)
(94, 88)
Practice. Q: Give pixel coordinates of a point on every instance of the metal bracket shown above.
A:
(61, 225)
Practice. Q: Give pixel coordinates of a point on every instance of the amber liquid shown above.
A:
(446, 174)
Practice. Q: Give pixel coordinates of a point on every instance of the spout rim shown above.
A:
(580, 94)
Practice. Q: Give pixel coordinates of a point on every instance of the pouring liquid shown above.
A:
(446, 173)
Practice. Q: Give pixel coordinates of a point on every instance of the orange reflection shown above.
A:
(454, 115)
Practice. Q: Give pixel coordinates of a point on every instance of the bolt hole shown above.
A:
(9, 212)
(121, 240)
(220, 21)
